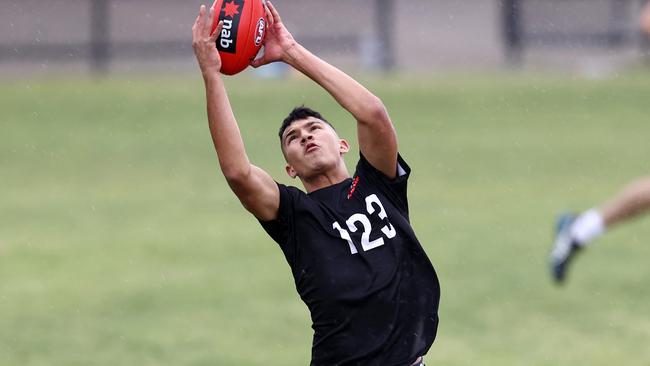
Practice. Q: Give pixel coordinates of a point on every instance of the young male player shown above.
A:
(576, 232)
(369, 286)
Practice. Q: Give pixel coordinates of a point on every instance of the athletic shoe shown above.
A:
(565, 248)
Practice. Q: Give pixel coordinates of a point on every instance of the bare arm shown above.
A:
(377, 137)
(253, 186)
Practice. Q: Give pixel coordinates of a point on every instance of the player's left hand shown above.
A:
(278, 40)
(204, 42)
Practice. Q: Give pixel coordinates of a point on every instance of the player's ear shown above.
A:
(344, 146)
(290, 171)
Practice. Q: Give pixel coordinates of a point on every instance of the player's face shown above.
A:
(312, 147)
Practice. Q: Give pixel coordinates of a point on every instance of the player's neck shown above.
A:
(323, 180)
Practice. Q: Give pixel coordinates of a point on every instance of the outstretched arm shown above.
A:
(377, 138)
(253, 186)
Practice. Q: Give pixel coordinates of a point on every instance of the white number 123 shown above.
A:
(366, 243)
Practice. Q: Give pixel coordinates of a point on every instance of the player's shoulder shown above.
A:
(292, 190)
(402, 170)
(291, 195)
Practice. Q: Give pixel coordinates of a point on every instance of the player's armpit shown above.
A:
(258, 193)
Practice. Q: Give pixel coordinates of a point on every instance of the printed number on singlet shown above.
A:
(372, 204)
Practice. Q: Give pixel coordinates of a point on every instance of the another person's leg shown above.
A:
(574, 232)
(645, 19)
(631, 201)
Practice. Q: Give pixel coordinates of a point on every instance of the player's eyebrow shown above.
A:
(291, 132)
(312, 122)
(306, 125)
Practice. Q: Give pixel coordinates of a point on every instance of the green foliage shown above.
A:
(120, 243)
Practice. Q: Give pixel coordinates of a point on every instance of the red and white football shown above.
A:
(242, 35)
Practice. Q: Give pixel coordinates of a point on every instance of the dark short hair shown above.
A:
(299, 113)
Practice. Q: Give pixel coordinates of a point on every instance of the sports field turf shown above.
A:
(120, 243)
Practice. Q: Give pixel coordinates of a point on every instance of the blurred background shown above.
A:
(388, 35)
(121, 244)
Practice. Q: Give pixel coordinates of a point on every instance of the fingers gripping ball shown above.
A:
(242, 35)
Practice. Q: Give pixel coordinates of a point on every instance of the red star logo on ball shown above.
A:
(231, 9)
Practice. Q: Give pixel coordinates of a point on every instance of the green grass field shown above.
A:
(120, 243)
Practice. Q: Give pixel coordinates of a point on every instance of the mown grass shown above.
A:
(120, 243)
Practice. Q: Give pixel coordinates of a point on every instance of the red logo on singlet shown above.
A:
(353, 187)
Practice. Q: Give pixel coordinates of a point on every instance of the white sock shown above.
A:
(587, 227)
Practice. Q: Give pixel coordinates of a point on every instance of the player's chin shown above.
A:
(314, 157)
(320, 163)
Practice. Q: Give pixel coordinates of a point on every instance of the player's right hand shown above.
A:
(278, 40)
(204, 42)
